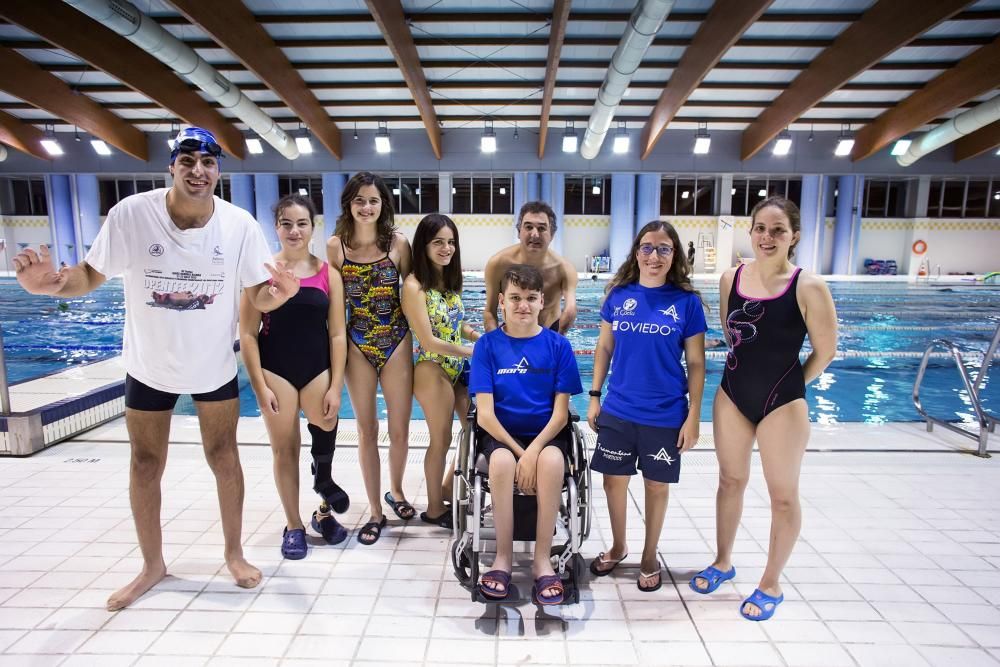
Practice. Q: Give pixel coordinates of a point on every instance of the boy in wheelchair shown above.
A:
(522, 377)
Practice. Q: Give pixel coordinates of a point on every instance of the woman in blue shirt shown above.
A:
(651, 316)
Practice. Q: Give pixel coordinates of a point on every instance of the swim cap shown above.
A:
(195, 139)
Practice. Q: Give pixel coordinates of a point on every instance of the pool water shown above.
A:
(884, 331)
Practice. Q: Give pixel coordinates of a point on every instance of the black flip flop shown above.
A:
(372, 527)
(445, 519)
(400, 507)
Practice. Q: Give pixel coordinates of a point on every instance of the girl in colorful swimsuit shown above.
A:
(295, 358)
(432, 302)
(768, 307)
(373, 258)
(650, 319)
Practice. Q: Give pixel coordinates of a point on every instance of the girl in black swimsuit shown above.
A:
(295, 358)
(768, 307)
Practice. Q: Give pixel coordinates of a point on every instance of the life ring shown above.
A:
(919, 247)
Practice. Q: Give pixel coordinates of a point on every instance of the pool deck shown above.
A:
(898, 564)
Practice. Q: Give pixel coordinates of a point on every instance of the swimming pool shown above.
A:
(884, 330)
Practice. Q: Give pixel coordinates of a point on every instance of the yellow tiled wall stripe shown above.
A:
(24, 221)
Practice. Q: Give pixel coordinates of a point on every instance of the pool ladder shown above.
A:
(987, 422)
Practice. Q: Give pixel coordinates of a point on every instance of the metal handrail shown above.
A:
(4, 391)
(987, 422)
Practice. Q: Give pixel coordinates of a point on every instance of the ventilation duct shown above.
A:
(125, 18)
(643, 26)
(942, 135)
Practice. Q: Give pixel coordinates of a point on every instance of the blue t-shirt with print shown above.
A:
(647, 383)
(524, 375)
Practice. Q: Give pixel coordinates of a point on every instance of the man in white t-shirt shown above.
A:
(184, 255)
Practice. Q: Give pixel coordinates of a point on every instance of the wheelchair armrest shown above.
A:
(574, 416)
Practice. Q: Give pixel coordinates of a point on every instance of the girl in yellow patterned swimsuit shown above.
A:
(372, 257)
(432, 302)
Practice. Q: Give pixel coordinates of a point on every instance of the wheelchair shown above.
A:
(473, 531)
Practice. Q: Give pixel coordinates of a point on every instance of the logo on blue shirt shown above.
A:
(521, 368)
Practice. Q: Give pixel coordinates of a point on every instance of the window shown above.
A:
(461, 194)
(685, 196)
(589, 195)
(27, 197)
(429, 189)
(963, 198)
(573, 201)
(307, 185)
(113, 189)
(747, 192)
(976, 198)
(409, 194)
(884, 198)
(596, 191)
(503, 200)
(482, 195)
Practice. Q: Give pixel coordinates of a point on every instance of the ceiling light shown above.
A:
(685, 194)
(254, 146)
(812, 135)
(901, 146)
(783, 145)
(52, 147)
(174, 129)
(621, 143)
(596, 189)
(355, 129)
(488, 142)
(76, 135)
(382, 144)
(395, 192)
(997, 195)
(100, 147)
(702, 141)
(503, 190)
(416, 191)
(304, 145)
(732, 191)
(845, 142)
(49, 143)
(515, 131)
(762, 192)
(569, 143)
(303, 192)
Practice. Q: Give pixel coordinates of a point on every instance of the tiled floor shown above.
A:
(899, 564)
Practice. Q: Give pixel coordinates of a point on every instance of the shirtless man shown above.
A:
(536, 225)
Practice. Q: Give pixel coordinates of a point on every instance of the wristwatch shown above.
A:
(596, 393)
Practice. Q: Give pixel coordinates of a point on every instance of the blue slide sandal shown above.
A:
(766, 603)
(714, 576)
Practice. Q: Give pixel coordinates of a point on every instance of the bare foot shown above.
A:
(245, 574)
(129, 594)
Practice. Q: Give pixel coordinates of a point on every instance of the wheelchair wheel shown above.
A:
(465, 564)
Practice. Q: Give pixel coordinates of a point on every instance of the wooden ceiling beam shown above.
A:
(235, 28)
(557, 34)
(109, 52)
(725, 23)
(22, 78)
(391, 20)
(981, 141)
(20, 135)
(886, 26)
(975, 75)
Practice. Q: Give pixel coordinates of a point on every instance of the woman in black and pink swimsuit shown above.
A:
(768, 307)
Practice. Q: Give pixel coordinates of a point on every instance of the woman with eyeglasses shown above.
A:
(768, 308)
(651, 318)
(373, 258)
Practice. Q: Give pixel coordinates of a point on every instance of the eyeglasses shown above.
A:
(661, 250)
(192, 144)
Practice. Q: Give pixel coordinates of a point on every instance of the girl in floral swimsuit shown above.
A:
(432, 301)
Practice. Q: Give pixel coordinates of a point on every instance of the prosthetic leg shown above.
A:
(334, 497)
(323, 445)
